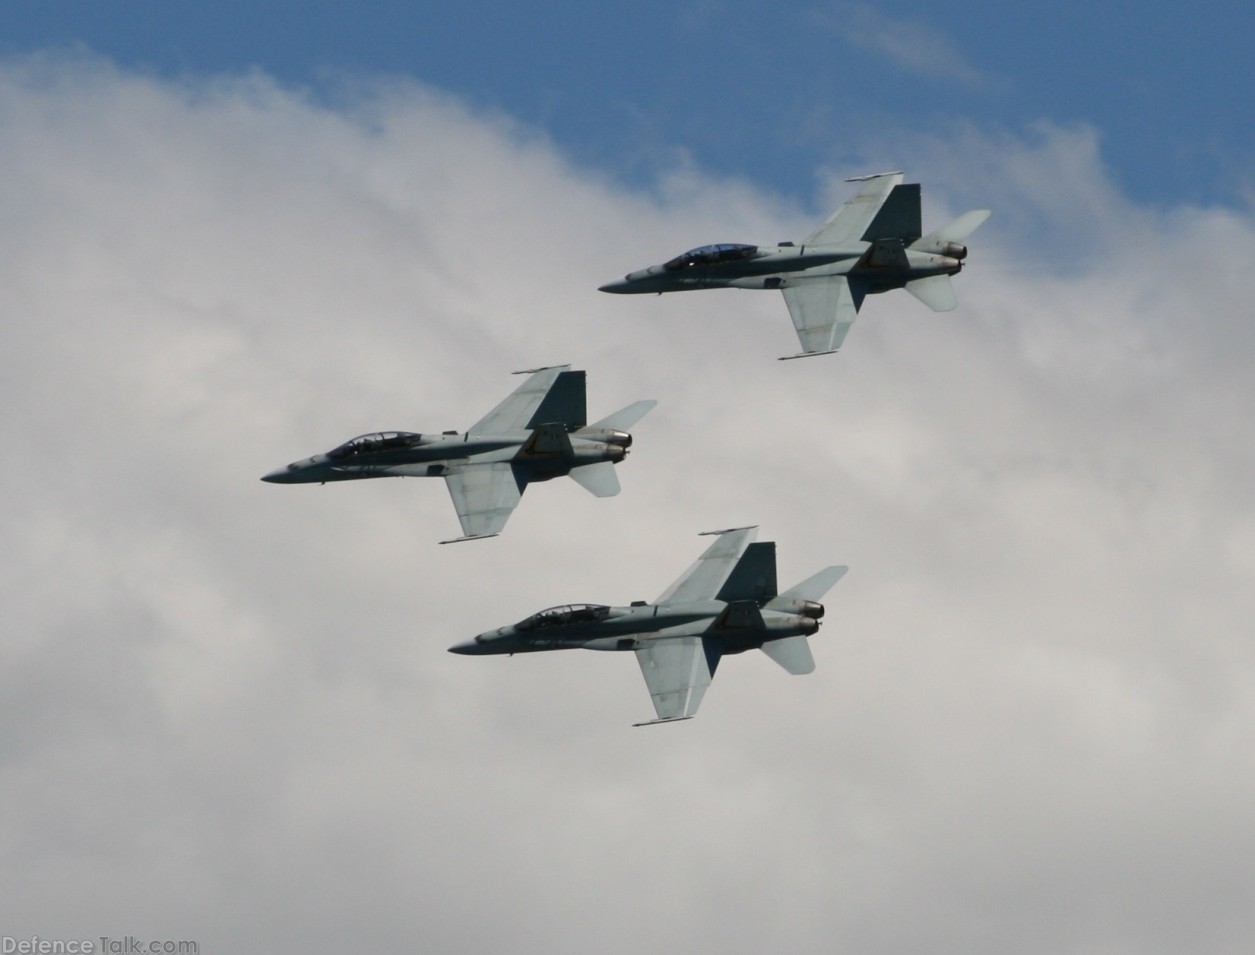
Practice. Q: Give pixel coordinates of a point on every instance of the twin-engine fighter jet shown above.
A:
(539, 432)
(872, 244)
(725, 603)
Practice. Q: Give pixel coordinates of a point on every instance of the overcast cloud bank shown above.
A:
(229, 714)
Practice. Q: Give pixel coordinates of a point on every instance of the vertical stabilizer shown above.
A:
(955, 232)
(624, 418)
(935, 291)
(813, 587)
(599, 479)
(792, 653)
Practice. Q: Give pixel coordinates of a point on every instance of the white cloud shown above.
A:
(229, 711)
(909, 45)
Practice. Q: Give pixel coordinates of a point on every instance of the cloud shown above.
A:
(229, 711)
(911, 46)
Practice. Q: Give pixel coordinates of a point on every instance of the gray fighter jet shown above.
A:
(872, 244)
(539, 432)
(725, 603)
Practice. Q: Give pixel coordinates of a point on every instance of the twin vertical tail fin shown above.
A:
(600, 478)
(794, 653)
(949, 239)
(812, 588)
(624, 418)
(936, 291)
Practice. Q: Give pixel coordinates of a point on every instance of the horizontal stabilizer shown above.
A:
(813, 587)
(623, 419)
(936, 291)
(792, 653)
(599, 478)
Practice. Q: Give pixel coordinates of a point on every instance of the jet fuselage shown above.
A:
(404, 454)
(600, 627)
(879, 266)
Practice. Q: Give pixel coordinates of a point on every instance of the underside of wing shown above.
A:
(677, 674)
(848, 224)
(822, 309)
(703, 580)
(485, 496)
(548, 395)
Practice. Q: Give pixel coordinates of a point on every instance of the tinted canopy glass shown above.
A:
(564, 615)
(374, 443)
(712, 255)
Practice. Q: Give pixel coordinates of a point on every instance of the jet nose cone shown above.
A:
(279, 476)
(475, 647)
(615, 287)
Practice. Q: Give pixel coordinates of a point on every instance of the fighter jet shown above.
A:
(872, 244)
(539, 432)
(725, 603)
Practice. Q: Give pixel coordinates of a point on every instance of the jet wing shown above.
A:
(822, 309)
(677, 674)
(848, 224)
(485, 496)
(706, 577)
(548, 395)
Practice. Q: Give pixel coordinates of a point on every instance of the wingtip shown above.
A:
(532, 371)
(468, 537)
(876, 175)
(665, 719)
(808, 354)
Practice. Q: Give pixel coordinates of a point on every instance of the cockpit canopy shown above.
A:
(374, 443)
(564, 615)
(711, 255)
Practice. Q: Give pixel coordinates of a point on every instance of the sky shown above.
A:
(229, 714)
